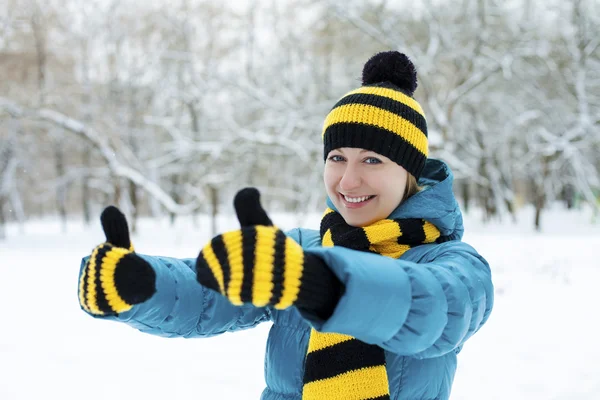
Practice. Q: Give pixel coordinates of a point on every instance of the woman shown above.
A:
(375, 305)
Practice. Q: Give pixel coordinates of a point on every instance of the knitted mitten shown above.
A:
(114, 278)
(259, 264)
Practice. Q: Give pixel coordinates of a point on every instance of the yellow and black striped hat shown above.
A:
(382, 115)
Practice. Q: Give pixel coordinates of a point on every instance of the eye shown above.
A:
(336, 158)
(372, 160)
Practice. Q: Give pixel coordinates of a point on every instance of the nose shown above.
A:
(351, 179)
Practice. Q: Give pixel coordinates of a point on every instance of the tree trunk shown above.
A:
(214, 208)
(175, 195)
(511, 209)
(485, 192)
(85, 189)
(539, 206)
(61, 188)
(540, 192)
(2, 219)
(466, 194)
(87, 118)
(133, 197)
(117, 194)
(568, 196)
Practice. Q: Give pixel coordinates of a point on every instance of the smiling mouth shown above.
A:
(356, 200)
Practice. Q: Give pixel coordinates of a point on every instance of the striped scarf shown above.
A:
(340, 367)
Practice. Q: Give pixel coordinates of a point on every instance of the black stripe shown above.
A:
(248, 245)
(350, 236)
(85, 283)
(384, 397)
(385, 103)
(204, 274)
(356, 239)
(278, 267)
(412, 231)
(220, 251)
(443, 239)
(329, 220)
(100, 295)
(343, 234)
(389, 144)
(343, 357)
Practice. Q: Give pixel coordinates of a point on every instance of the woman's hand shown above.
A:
(259, 264)
(114, 278)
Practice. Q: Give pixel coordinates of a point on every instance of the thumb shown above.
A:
(248, 208)
(115, 227)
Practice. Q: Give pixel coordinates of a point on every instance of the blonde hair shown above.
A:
(412, 187)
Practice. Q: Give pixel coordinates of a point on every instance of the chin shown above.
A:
(356, 222)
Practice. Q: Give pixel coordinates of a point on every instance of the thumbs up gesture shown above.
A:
(114, 278)
(259, 264)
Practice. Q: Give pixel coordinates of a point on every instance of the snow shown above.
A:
(540, 342)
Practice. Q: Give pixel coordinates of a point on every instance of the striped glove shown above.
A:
(259, 264)
(114, 278)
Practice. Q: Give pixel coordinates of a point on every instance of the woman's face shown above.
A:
(364, 186)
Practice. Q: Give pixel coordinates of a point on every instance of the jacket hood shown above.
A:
(435, 203)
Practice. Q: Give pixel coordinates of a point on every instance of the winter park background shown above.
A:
(168, 108)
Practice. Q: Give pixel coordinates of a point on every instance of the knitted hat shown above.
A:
(382, 116)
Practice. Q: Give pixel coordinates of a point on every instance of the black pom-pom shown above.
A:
(393, 67)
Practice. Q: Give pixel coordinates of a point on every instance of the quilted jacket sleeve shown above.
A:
(423, 309)
(181, 307)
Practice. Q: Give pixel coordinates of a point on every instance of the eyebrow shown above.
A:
(361, 151)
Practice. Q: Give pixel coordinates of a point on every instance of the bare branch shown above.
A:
(100, 143)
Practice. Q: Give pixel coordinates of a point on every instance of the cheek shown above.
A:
(329, 178)
(393, 192)
(381, 183)
(400, 188)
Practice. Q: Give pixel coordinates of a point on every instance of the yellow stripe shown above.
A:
(390, 94)
(431, 232)
(392, 250)
(319, 341)
(91, 293)
(262, 287)
(382, 231)
(370, 115)
(294, 261)
(107, 279)
(327, 239)
(373, 380)
(382, 235)
(214, 265)
(82, 287)
(233, 245)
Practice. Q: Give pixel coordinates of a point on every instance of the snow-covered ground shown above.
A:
(541, 341)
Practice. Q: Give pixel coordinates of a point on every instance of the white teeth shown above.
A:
(356, 199)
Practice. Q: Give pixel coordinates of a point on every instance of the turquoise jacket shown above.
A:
(420, 308)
